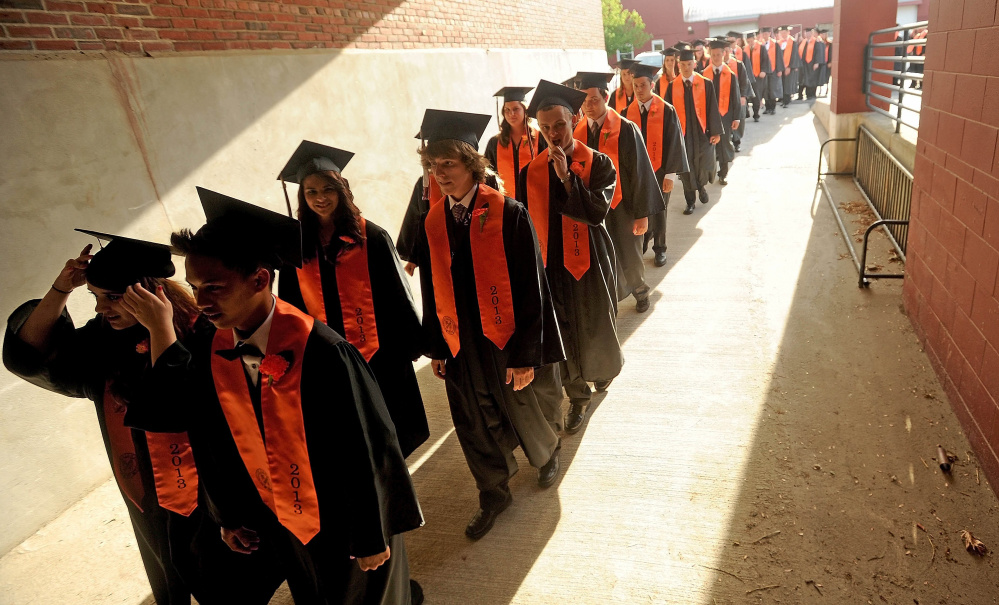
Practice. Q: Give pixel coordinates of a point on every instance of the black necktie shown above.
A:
(240, 350)
(645, 110)
(595, 130)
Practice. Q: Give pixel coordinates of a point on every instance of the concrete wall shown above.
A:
(951, 292)
(118, 143)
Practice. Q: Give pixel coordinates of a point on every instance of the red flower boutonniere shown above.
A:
(143, 347)
(347, 240)
(483, 214)
(274, 367)
(577, 168)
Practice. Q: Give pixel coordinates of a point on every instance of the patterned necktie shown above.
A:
(460, 213)
(594, 130)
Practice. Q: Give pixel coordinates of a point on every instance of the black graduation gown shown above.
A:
(747, 85)
(490, 418)
(675, 153)
(789, 82)
(813, 74)
(366, 496)
(724, 150)
(400, 333)
(586, 309)
(700, 151)
(772, 84)
(181, 555)
(826, 69)
(641, 196)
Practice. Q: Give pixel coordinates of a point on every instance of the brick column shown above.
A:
(853, 22)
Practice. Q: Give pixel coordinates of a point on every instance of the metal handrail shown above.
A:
(898, 76)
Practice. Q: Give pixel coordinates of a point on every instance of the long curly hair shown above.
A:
(346, 217)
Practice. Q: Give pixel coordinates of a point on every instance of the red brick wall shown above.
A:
(953, 256)
(138, 26)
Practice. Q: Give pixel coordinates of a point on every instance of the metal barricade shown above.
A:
(886, 186)
(902, 66)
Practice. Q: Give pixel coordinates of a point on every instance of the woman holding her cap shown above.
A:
(351, 279)
(104, 361)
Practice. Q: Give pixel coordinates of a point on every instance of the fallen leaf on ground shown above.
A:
(973, 544)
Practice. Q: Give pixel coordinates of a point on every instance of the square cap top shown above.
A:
(124, 261)
(311, 158)
(276, 238)
(441, 125)
(585, 80)
(550, 93)
(513, 93)
(645, 71)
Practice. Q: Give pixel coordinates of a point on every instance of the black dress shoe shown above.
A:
(415, 592)
(702, 194)
(602, 385)
(643, 303)
(736, 147)
(756, 118)
(483, 520)
(573, 422)
(688, 210)
(548, 474)
(660, 259)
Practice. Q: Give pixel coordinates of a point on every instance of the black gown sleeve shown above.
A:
(67, 368)
(400, 321)
(365, 468)
(491, 153)
(530, 288)
(675, 152)
(289, 289)
(734, 100)
(408, 235)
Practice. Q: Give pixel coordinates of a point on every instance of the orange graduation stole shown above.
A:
(724, 87)
(280, 468)
(788, 52)
(734, 65)
(492, 278)
(738, 52)
(575, 235)
(772, 53)
(654, 131)
(607, 143)
(755, 53)
(664, 81)
(505, 163)
(174, 472)
(619, 100)
(353, 285)
(700, 101)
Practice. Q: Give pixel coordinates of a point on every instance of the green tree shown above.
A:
(624, 29)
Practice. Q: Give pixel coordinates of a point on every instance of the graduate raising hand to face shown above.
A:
(154, 311)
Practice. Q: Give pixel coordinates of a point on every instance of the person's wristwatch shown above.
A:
(566, 179)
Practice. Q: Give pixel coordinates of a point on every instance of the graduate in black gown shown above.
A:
(567, 191)
(517, 142)
(768, 61)
(728, 98)
(158, 476)
(746, 83)
(637, 195)
(381, 319)
(693, 98)
(301, 455)
(813, 61)
(664, 141)
(787, 46)
(752, 58)
(487, 310)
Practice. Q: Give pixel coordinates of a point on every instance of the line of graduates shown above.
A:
(282, 422)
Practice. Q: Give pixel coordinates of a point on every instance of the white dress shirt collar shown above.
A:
(258, 339)
(465, 201)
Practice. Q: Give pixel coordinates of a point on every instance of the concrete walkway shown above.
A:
(771, 439)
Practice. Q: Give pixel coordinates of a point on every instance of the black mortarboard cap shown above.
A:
(681, 45)
(440, 125)
(550, 93)
(124, 261)
(821, 30)
(311, 158)
(697, 42)
(645, 71)
(766, 30)
(513, 93)
(627, 63)
(570, 82)
(686, 55)
(672, 51)
(275, 238)
(716, 43)
(734, 34)
(593, 79)
(751, 34)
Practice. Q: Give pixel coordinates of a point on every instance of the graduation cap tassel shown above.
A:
(530, 136)
(287, 200)
(426, 172)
